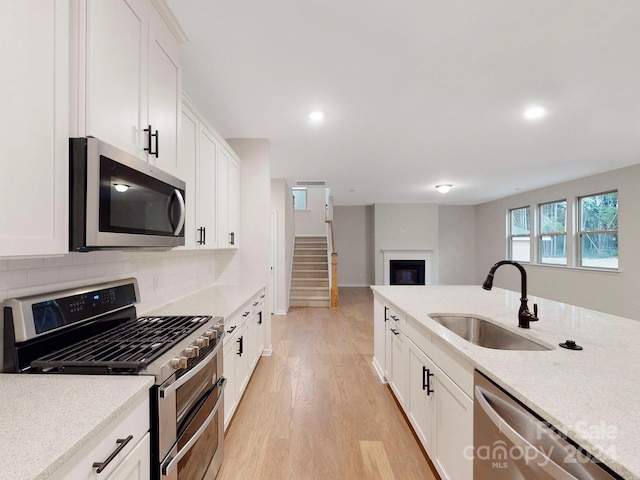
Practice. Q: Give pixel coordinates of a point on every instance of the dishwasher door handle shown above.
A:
(536, 459)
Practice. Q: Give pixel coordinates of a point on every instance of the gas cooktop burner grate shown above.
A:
(127, 348)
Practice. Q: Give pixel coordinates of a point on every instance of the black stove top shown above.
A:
(126, 349)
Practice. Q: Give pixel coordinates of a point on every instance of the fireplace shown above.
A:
(406, 272)
(407, 267)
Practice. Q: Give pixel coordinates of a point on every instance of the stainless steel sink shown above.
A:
(486, 334)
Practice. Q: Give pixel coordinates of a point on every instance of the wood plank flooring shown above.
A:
(316, 409)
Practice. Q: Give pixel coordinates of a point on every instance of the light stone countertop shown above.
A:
(217, 300)
(46, 419)
(591, 395)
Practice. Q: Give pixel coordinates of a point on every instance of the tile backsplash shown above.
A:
(162, 276)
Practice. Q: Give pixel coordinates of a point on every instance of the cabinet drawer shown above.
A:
(397, 318)
(456, 368)
(121, 436)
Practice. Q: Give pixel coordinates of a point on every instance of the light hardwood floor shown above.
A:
(316, 409)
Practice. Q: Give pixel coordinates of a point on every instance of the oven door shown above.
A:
(191, 421)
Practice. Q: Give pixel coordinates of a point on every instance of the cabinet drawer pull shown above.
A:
(394, 331)
(121, 442)
(232, 329)
(245, 314)
(395, 319)
(426, 380)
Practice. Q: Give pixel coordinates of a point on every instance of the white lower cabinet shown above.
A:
(441, 415)
(433, 386)
(398, 380)
(243, 346)
(119, 452)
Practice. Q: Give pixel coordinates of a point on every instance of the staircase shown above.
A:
(310, 273)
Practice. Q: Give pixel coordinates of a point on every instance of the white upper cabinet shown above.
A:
(126, 79)
(212, 172)
(228, 199)
(34, 144)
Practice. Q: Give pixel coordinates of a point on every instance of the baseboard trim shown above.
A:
(354, 285)
(379, 370)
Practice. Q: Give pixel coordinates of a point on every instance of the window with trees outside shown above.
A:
(598, 230)
(520, 234)
(552, 246)
(299, 198)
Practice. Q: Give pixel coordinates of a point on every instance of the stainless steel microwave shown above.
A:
(117, 201)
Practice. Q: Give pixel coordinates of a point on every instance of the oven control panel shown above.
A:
(37, 315)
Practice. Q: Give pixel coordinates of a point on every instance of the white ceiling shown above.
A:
(420, 92)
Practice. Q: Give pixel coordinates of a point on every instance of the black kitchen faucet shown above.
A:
(524, 315)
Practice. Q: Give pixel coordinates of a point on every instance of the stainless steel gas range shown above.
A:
(94, 330)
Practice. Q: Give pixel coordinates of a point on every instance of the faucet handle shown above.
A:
(535, 313)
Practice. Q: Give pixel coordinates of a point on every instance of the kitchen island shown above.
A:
(590, 395)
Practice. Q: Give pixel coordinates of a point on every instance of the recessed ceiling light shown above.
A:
(444, 188)
(316, 115)
(534, 112)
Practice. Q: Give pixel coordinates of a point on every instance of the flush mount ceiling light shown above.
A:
(120, 187)
(534, 112)
(444, 187)
(316, 116)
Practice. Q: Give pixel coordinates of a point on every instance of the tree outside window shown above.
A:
(553, 233)
(520, 234)
(598, 233)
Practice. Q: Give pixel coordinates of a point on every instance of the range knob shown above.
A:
(211, 333)
(192, 351)
(202, 341)
(179, 362)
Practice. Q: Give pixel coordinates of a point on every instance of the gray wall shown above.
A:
(353, 229)
(457, 240)
(312, 220)
(617, 293)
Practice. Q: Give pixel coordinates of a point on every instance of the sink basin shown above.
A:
(485, 333)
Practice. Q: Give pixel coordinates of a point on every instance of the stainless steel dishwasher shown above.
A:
(513, 443)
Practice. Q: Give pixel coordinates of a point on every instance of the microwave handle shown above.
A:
(180, 199)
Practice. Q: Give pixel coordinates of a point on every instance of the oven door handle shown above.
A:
(167, 391)
(173, 461)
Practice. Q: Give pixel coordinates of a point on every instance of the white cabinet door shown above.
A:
(233, 209)
(228, 185)
(421, 404)
(187, 159)
(164, 93)
(379, 337)
(126, 78)
(454, 430)
(34, 126)
(115, 55)
(206, 190)
(229, 365)
(399, 361)
(136, 465)
(241, 370)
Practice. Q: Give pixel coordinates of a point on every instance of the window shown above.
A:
(520, 234)
(299, 198)
(598, 231)
(552, 245)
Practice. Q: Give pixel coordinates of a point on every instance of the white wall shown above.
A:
(255, 196)
(282, 206)
(312, 220)
(616, 293)
(353, 230)
(405, 227)
(457, 231)
(177, 273)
